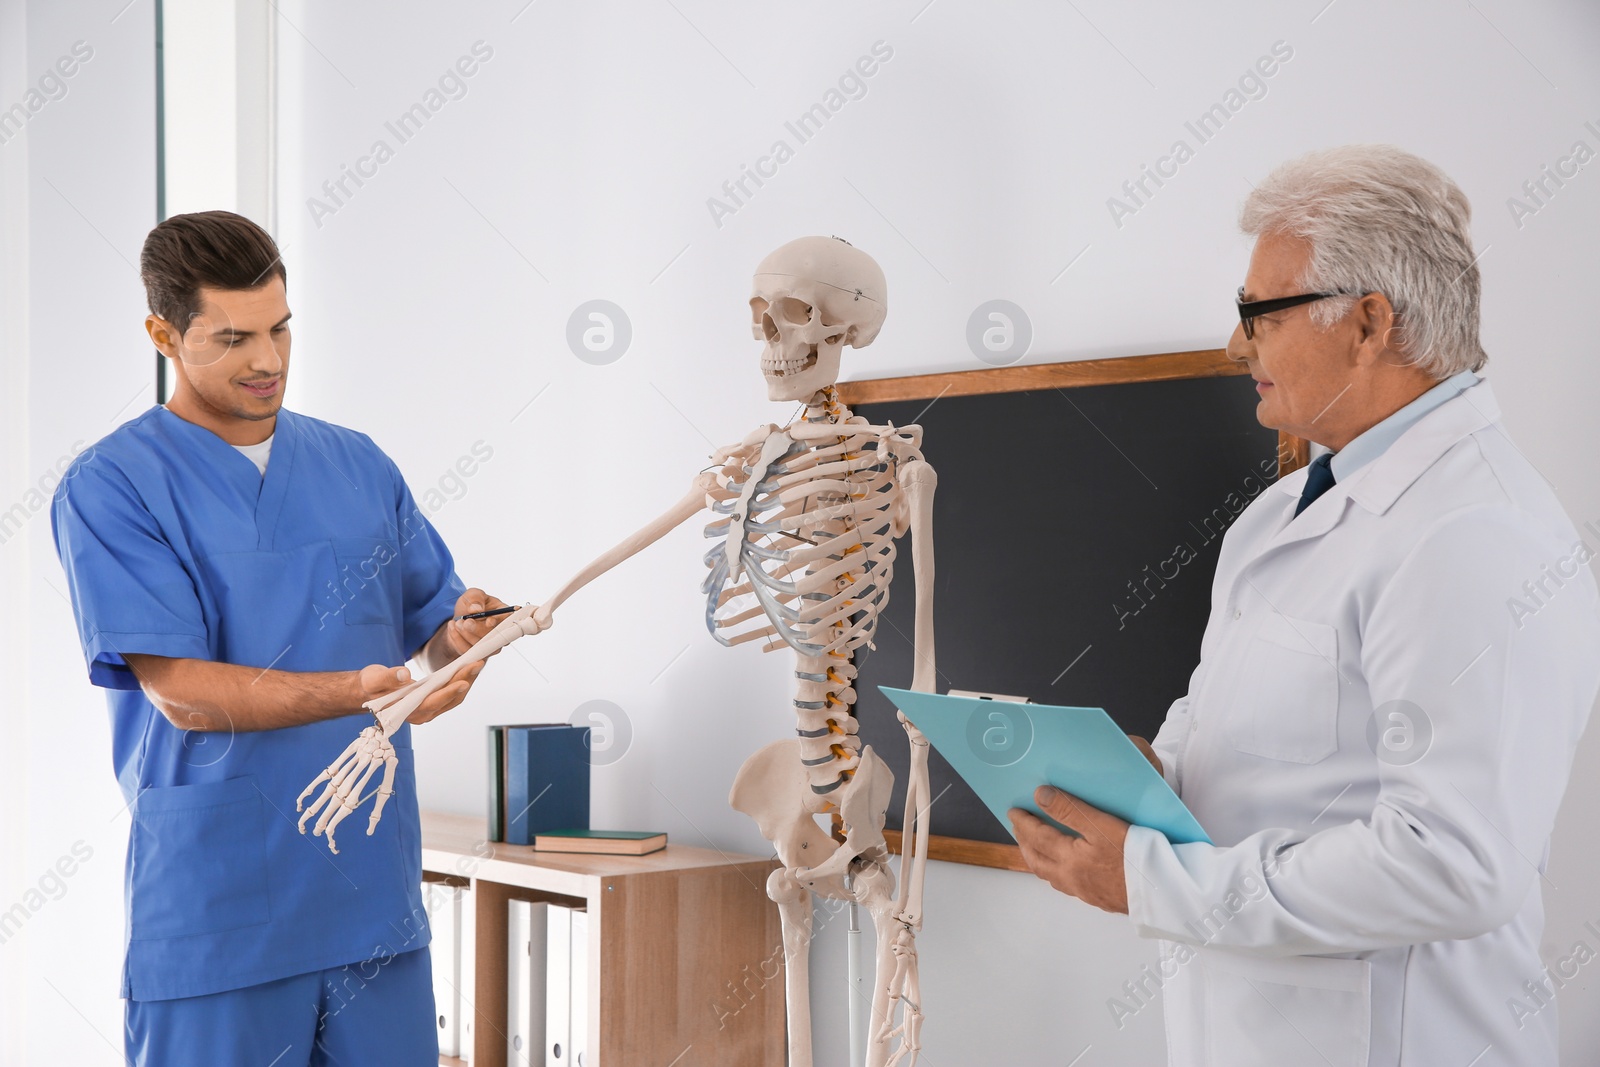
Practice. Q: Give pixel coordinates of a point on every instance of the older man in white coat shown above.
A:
(1403, 650)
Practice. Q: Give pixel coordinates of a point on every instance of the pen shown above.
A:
(484, 614)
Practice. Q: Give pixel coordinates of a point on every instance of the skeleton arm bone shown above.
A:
(693, 502)
(394, 709)
(343, 780)
(921, 482)
(897, 921)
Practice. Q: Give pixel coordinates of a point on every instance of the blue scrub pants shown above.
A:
(377, 1013)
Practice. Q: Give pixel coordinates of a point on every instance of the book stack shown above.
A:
(538, 781)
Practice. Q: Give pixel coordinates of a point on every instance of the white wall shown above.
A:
(431, 309)
(14, 472)
(79, 188)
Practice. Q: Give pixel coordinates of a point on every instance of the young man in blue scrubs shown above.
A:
(243, 579)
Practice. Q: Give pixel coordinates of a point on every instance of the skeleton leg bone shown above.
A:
(771, 788)
(873, 888)
(794, 908)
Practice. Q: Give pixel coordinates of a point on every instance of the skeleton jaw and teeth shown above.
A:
(802, 339)
(783, 368)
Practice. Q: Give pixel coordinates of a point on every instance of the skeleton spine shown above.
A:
(824, 696)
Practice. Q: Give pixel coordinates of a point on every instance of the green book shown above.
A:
(601, 842)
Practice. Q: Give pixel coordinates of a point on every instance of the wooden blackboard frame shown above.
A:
(1293, 453)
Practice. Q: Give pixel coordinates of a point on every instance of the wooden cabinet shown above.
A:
(689, 948)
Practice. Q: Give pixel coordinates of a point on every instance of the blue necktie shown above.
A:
(1318, 481)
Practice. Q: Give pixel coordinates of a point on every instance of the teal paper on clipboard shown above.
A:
(1005, 751)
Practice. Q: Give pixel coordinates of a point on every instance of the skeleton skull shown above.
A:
(812, 297)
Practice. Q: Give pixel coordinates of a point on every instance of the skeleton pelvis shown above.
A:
(773, 789)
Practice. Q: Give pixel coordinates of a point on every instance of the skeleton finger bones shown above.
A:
(344, 780)
(346, 777)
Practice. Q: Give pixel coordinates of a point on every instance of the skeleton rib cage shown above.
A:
(804, 556)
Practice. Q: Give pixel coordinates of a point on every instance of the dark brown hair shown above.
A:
(207, 248)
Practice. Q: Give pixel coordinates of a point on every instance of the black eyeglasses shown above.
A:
(1248, 310)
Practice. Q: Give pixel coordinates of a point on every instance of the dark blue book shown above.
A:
(547, 780)
(497, 783)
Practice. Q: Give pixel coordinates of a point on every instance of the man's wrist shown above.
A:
(448, 652)
(438, 650)
(355, 693)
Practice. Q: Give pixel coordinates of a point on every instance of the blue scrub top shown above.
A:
(175, 545)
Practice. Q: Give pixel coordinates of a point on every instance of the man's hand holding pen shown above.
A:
(476, 614)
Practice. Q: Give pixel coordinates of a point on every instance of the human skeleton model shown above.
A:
(804, 519)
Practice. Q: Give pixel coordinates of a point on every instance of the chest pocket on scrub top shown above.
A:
(366, 584)
(1285, 699)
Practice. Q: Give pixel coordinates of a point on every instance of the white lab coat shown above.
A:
(1356, 910)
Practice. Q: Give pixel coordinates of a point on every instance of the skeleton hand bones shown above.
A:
(345, 778)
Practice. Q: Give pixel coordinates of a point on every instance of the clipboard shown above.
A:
(1006, 750)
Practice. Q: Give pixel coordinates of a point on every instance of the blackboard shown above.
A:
(1076, 530)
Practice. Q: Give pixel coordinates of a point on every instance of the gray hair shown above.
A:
(1379, 219)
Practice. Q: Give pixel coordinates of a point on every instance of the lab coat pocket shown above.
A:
(1271, 1011)
(198, 860)
(368, 580)
(1285, 700)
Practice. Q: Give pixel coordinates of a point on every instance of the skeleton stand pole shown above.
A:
(860, 996)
